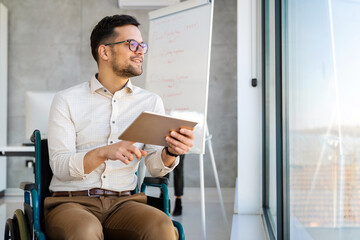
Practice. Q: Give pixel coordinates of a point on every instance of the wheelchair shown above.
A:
(29, 224)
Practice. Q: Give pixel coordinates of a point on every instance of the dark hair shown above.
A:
(105, 30)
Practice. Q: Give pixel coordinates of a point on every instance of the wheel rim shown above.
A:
(23, 231)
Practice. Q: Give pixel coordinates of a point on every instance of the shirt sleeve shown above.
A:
(65, 162)
(153, 160)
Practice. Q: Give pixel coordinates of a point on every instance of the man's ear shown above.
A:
(104, 52)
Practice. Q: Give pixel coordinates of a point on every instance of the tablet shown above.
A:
(152, 128)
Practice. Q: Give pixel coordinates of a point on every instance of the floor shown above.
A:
(190, 219)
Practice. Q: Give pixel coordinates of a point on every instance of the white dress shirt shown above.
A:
(88, 116)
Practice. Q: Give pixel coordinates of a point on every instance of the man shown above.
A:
(93, 171)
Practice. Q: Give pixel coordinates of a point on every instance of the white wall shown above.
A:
(249, 187)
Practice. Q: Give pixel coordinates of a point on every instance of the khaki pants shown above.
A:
(88, 218)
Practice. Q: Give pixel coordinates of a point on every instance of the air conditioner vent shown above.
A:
(145, 4)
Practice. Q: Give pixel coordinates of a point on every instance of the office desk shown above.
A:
(17, 150)
(12, 151)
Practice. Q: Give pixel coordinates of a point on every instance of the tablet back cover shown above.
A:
(152, 128)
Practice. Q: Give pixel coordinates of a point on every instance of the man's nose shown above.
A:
(140, 51)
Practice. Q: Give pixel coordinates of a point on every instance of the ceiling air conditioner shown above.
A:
(145, 4)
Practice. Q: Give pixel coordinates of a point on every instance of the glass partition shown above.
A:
(322, 82)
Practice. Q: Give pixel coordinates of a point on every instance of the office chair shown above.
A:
(29, 224)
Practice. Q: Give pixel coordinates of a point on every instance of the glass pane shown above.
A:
(270, 141)
(321, 62)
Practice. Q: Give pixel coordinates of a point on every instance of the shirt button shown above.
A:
(104, 176)
(105, 90)
(114, 100)
(113, 121)
(111, 142)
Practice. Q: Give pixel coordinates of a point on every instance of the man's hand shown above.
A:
(180, 142)
(124, 151)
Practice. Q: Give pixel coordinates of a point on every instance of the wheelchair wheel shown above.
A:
(10, 230)
(22, 226)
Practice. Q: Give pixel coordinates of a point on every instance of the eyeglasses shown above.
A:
(133, 45)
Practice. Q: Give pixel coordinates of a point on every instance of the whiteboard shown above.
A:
(178, 62)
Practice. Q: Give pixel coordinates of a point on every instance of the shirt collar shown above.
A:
(129, 87)
(95, 85)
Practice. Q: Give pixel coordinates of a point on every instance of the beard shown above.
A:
(128, 71)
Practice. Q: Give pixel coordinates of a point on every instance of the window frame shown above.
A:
(265, 162)
(282, 188)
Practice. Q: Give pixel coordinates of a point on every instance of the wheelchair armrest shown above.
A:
(27, 186)
(159, 182)
(32, 137)
(156, 180)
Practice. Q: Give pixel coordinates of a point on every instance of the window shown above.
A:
(311, 118)
(322, 60)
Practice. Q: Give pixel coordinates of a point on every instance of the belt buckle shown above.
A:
(91, 195)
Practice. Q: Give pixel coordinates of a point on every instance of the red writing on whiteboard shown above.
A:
(171, 33)
(182, 109)
(172, 53)
(172, 36)
(191, 26)
(175, 94)
(180, 78)
(168, 80)
(161, 22)
(177, 109)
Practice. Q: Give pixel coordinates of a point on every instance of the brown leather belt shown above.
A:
(94, 192)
